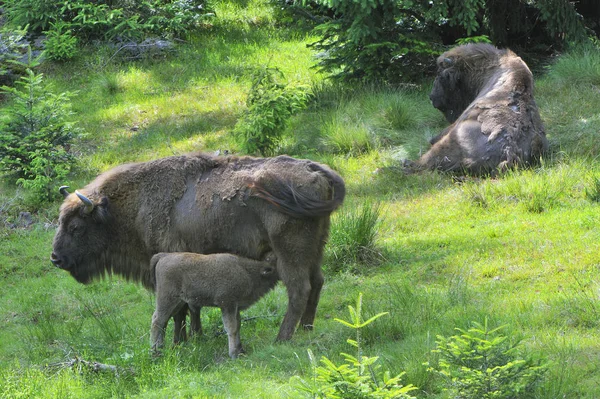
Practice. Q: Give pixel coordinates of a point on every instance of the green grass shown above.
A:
(520, 249)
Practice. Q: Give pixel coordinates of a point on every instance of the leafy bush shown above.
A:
(108, 20)
(61, 45)
(481, 363)
(99, 21)
(177, 18)
(37, 14)
(352, 237)
(35, 136)
(364, 41)
(360, 377)
(270, 106)
(396, 40)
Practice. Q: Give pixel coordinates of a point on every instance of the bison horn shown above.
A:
(89, 205)
(447, 62)
(63, 191)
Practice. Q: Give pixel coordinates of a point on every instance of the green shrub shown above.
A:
(396, 41)
(352, 237)
(176, 18)
(37, 14)
(35, 136)
(99, 21)
(481, 363)
(360, 377)
(61, 45)
(90, 20)
(270, 106)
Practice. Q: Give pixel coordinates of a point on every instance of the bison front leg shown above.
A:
(232, 323)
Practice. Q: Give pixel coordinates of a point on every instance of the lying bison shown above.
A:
(229, 282)
(487, 95)
(204, 204)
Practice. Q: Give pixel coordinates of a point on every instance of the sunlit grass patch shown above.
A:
(366, 118)
(535, 190)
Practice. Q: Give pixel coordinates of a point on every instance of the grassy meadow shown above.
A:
(519, 250)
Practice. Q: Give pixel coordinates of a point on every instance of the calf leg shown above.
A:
(231, 322)
(179, 331)
(195, 321)
(165, 309)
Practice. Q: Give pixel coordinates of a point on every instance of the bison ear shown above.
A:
(101, 211)
(447, 62)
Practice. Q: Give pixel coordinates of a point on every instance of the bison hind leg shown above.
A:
(316, 284)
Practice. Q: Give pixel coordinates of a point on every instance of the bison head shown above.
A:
(82, 236)
(461, 73)
(444, 93)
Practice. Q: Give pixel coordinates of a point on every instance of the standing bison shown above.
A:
(487, 95)
(204, 204)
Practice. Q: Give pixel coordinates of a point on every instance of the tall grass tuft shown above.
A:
(110, 84)
(592, 189)
(353, 235)
(344, 138)
(579, 67)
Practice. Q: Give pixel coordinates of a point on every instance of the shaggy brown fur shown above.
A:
(230, 282)
(487, 94)
(205, 204)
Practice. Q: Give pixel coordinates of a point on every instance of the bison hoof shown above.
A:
(237, 353)
(155, 353)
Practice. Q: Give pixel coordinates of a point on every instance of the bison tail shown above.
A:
(290, 200)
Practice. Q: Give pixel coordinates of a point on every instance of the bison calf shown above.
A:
(227, 281)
